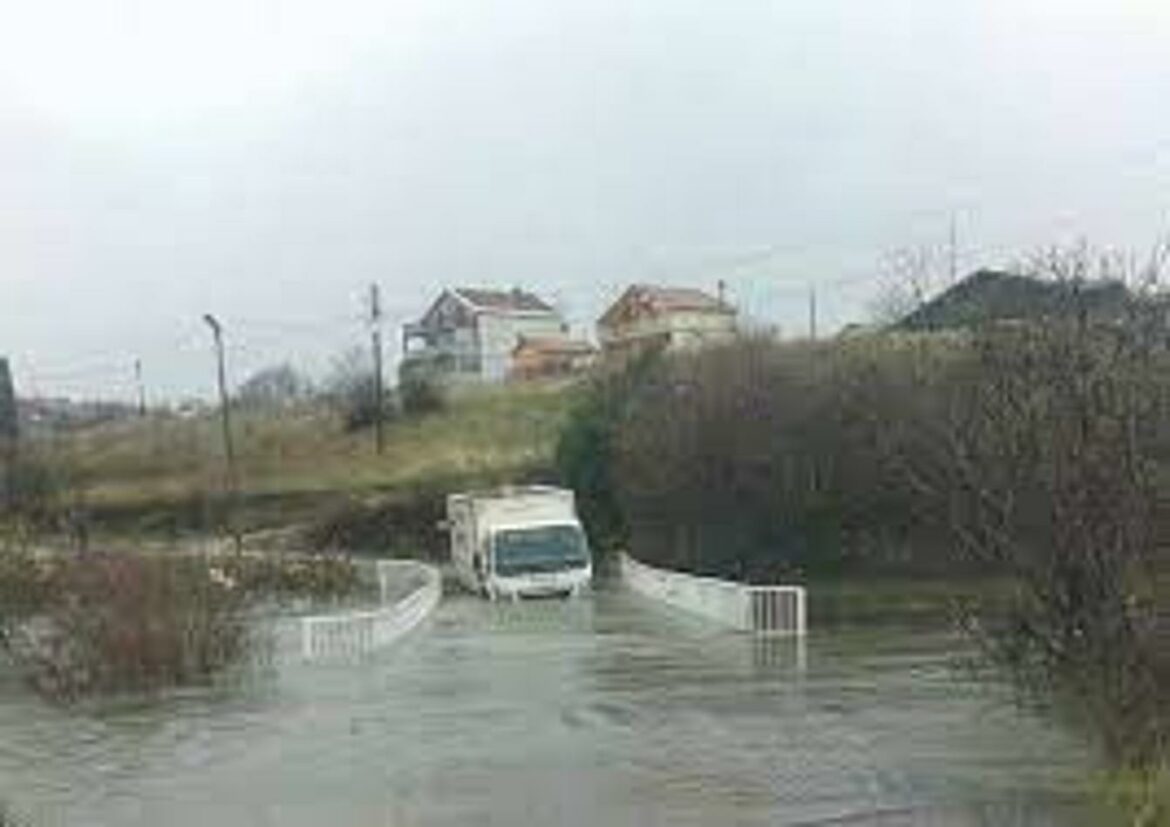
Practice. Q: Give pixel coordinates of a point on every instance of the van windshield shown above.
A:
(543, 549)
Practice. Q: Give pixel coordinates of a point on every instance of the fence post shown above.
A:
(307, 638)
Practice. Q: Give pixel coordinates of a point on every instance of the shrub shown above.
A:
(352, 389)
(114, 622)
(420, 395)
(32, 489)
(24, 588)
(585, 450)
(7, 817)
(273, 387)
(758, 459)
(1050, 476)
(1143, 794)
(280, 577)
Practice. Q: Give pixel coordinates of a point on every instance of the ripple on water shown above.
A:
(598, 711)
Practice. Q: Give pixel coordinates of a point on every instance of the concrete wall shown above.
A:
(725, 602)
(718, 600)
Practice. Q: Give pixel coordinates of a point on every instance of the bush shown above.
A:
(360, 407)
(756, 460)
(1050, 476)
(112, 623)
(32, 489)
(279, 577)
(585, 450)
(421, 395)
(1143, 794)
(352, 389)
(273, 387)
(7, 818)
(100, 623)
(24, 588)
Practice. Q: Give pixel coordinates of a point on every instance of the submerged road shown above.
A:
(599, 711)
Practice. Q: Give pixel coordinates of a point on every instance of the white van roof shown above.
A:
(505, 492)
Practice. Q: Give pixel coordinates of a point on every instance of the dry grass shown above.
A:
(128, 622)
(159, 463)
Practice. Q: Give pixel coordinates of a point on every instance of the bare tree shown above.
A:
(351, 388)
(909, 277)
(1045, 471)
(274, 386)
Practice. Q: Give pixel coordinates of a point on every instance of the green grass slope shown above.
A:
(168, 474)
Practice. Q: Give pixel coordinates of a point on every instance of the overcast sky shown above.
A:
(267, 160)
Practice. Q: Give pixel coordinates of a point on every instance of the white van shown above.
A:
(518, 541)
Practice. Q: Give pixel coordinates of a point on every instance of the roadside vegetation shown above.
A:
(1028, 459)
(305, 464)
(105, 582)
(99, 623)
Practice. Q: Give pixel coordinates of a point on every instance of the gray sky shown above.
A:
(266, 160)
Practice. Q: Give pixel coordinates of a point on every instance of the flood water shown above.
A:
(600, 711)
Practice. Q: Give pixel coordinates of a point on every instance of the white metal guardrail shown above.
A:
(774, 610)
(351, 633)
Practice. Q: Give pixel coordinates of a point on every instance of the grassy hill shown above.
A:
(166, 475)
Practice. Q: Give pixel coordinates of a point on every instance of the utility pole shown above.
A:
(376, 344)
(225, 419)
(140, 386)
(812, 312)
(9, 433)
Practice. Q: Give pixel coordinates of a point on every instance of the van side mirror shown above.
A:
(443, 525)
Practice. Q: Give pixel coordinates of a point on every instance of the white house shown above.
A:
(469, 334)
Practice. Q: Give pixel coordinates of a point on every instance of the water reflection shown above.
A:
(597, 711)
(778, 656)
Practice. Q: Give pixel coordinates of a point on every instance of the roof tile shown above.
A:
(508, 300)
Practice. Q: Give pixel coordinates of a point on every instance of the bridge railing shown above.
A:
(774, 610)
(777, 609)
(345, 634)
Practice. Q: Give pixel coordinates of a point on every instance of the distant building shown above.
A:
(854, 330)
(191, 409)
(648, 317)
(47, 414)
(540, 358)
(470, 334)
(988, 296)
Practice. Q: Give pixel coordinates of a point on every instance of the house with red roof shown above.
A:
(536, 357)
(650, 317)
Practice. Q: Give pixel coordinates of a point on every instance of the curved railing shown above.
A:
(352, 633)
(761, 609)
